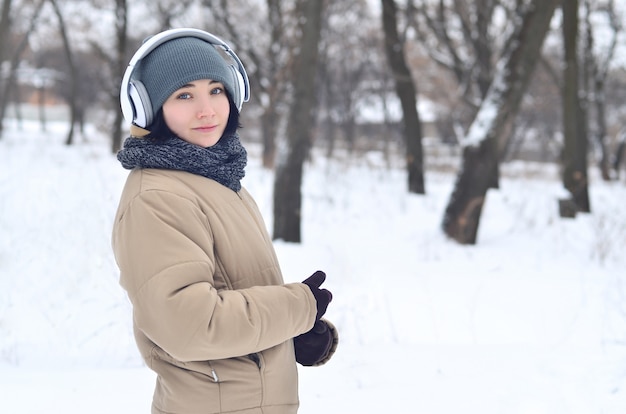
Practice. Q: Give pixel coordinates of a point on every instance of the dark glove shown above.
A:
(322, 296)
(316, 346)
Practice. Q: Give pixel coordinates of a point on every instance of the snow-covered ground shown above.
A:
(531, 320)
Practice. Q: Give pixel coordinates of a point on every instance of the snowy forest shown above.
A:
(495, 80)
(456, 167)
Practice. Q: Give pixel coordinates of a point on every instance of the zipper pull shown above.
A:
(215, 377)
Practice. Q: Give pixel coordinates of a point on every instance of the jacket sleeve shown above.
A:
(164, 251)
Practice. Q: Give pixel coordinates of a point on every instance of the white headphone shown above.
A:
(134, 98)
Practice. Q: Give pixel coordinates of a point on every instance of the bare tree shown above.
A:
(119, 66)
(574, 157)
(5, 30)
(73, 73)
(350, 68)
(274, 88)
(464, 39)
(114, 62)
(5, 26)
(88, 78)
(288, 180)
(494, 120)
(166, 11)
(620, 153)
(596, 64)
(406, 91)
(266, 45)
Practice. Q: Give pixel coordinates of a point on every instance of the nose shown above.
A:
(205, 108)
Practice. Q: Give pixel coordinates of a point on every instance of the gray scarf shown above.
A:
(224, 162)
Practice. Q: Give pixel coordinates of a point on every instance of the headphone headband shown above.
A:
(130, 109)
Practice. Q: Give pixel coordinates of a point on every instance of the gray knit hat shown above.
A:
(179, 61)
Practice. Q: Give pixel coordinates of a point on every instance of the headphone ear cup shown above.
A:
(140, 101)
(239, 87)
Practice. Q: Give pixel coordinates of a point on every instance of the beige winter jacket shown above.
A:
(212, 315)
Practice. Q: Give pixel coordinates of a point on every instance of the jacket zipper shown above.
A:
(216, 378)
(256, 358)
(261, 377)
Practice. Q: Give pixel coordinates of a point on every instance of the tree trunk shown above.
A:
(597, 68)
(574, 120)
(121, 34)
(288, 181)
(269, 129)
(406, 91)
(271, 118)
(601, 133)
(268, 78)
(5, 23)
(73, 75)
(620, 152)
(491, 127)
(466, 50)
(5, 29)
(41, 105)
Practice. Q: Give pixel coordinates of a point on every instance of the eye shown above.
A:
(217, 90)
(183, 95)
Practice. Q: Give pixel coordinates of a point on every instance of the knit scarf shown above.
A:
(223, 162)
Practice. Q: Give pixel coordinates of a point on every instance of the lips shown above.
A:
(205, 128)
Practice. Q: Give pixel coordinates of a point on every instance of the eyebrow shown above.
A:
(190, 85)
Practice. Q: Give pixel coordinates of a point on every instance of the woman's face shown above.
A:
(198, 112)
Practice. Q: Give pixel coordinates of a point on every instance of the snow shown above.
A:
(531, 320)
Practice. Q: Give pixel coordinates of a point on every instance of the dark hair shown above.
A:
(160, 130)
(233, 123)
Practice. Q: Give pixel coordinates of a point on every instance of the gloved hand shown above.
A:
(322, 296)
(316, 346)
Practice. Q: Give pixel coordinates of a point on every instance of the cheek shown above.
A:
(225, 108)
(220, 102)
(171, 115)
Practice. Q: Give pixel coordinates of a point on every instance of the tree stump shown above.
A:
(567, 208)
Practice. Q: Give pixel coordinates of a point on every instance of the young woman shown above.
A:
(212, 315)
